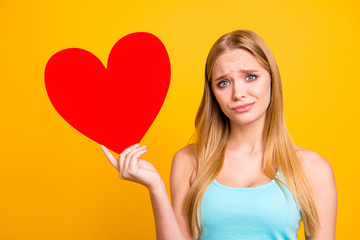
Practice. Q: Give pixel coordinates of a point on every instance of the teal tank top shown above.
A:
(256, 213)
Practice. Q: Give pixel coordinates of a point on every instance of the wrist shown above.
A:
(157, 186)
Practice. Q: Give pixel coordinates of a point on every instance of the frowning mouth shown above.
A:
(243, 108)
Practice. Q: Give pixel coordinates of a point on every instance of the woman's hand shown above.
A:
(133, 168)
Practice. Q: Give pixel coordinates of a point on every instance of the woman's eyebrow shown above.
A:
(220, 78)
(248, 70)
(241, 70)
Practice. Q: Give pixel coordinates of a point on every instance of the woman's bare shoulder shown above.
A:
(184, 163)
(188, 151)
(318, 168)
(321, 174)
(311, 158)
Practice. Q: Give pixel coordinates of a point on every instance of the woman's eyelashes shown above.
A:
(253, 77)
(223, 83)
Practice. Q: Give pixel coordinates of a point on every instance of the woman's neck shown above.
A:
(247, 138)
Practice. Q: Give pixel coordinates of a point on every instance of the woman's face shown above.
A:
(241, 86)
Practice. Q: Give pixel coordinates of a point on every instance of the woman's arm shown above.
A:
(321, 176)
(181, 178)
(131, 167)
(165, 221)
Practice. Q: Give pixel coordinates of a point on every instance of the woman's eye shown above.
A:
(251, 77)
(223, 83)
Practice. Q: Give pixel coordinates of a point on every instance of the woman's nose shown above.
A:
(238, 91)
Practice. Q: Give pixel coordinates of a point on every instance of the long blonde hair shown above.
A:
(213, 130)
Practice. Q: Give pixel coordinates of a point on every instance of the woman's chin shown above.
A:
(246, 120)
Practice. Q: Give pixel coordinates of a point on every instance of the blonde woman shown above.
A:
(242, 177)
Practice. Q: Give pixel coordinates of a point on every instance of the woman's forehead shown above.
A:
(236, 60)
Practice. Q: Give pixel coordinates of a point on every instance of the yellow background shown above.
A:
(56, 184)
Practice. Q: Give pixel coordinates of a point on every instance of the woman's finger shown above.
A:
(136, 164)
(125, 161)
(129, 149)
(132, 161)
(122, 157)
(131, 153)
(110, 157)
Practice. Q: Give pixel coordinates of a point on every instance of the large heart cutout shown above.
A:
(114, 106)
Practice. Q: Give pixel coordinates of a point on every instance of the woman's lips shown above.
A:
(243, 108)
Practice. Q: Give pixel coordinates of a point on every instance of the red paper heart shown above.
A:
(115, 106)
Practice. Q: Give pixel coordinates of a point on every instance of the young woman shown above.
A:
(242, 177)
